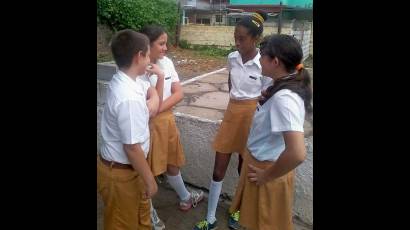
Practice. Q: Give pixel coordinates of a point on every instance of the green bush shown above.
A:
(184, 44)
(212, 50)
(134, 14)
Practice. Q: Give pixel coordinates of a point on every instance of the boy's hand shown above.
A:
(150, 189)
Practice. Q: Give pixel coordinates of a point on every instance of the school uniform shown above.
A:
(247, 83)
(166, 145)
(269, 206)
(124, 121)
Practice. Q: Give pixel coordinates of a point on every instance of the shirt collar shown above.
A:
(127, 79)
(254, 60)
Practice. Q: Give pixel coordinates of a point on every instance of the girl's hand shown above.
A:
(154, 69)
(256, 175)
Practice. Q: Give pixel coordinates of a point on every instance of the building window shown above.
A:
(205, 21)
(218, 18)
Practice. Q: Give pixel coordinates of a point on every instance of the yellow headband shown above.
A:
(259, 17)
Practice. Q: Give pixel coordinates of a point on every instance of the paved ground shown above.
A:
(166, 202)
(208, 97)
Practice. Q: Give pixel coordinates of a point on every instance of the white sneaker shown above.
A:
(193, 201)
(157, 223)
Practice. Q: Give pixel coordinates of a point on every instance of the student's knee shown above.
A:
(219, 174)
(221, 165)
(172, 170)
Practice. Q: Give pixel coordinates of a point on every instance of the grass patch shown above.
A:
(207, 50)
(104, 57)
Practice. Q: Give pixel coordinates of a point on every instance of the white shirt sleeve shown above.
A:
(174, 74)
(287, 112)
(130, 121)
(147, 82)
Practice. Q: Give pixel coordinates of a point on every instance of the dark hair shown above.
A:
(288, 50)
(153, 32)
(125, 44)
(254, 23)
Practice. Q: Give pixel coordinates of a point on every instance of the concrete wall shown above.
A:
(197, 135)
(223, 35)
(218, 35)
(105, 72)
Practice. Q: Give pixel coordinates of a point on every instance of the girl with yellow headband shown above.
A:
(245, 85)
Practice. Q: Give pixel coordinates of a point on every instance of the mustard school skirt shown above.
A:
(165, 145)
(264, 207)
(233, 132)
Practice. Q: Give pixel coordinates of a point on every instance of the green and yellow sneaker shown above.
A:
(204, 225)
(233, 221)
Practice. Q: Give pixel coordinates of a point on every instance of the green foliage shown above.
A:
(212, 50)
(184, 44)
(134, 14)
(207, 50)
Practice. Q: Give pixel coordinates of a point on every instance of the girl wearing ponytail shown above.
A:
(275, 145)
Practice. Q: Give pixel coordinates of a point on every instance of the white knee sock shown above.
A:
(214, 192)
(178, 185)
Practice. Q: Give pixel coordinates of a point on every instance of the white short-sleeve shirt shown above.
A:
(125, 118)
(284, 111)
(247, 81)
(171, 76)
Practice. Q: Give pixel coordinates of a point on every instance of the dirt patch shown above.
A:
(190, 63)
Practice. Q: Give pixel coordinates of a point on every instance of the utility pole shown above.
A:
(280, 18)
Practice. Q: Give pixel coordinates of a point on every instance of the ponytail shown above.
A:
(298, 82)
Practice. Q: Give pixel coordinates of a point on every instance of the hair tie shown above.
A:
(259, 17)
(299, 67)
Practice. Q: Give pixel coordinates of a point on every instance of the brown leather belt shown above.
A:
(116, 165)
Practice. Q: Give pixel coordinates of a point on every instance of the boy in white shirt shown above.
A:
(124, 179)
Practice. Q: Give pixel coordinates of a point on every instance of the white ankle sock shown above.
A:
(178, 185)
(214, 192)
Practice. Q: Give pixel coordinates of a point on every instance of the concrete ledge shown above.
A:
(197, 135)
(106, 70)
